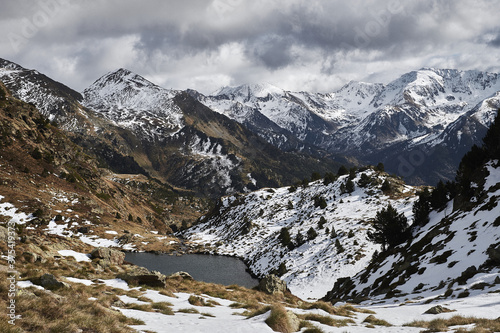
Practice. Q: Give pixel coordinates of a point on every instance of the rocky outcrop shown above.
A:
(272, 284)
(141, 275)
(4, 233)
(437, 310)
(183, 275)
(49, 281)
(494, 253)
(107, 257)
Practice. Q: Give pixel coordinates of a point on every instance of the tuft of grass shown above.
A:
(258, 312)
(163, 307)
(442, 325)
(371, 319)
(200, 301)
(206, 314)
(327, 320)
(278, 319)
(190, 310)
(343, 311)
(139, 307)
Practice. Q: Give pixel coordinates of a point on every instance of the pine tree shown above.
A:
(349, 186)
(311, 233)
(386, 186)
(439, 196)
(422, 208)
(315, 176)
(391, 228)
(342, 171)
(329, 178)
(284, 236)
(299, 239)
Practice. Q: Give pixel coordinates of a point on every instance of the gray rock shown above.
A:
(494, 253)
(437, 310)
(4, 234)
(141, 275)
(125, 238)
(108, 257)
(183, 275)
(49, 281)
(293, 321)
(272, 284)
(31, 257)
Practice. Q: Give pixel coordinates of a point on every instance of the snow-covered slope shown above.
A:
(454, 255)
(55, 101)
(132, 102)
(373, 122)
(249, 226)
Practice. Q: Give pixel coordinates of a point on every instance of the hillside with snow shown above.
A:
(453, 256)
(249, 226)
(422, 112)
(132, 102)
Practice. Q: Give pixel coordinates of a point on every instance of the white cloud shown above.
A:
(297, 45)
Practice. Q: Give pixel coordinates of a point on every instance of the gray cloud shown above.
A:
(295, 44)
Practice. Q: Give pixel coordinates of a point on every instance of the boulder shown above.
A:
(107, 256)
(141, 275)
(272, 284)
(83, 230)
(125, 238)
(31, 257)
(4, 234)
(49, 281)
(183, 275)
(494, 253)
(293, 321)
(437, 310)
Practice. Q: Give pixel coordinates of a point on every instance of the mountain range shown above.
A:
(130, 165)
(418, 125)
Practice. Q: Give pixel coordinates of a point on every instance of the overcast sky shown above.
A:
(297, 45)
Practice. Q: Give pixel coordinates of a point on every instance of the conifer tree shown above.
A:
(391, 228)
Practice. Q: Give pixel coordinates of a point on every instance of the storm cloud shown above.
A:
(294, 44)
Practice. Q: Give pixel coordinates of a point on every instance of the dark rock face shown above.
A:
(272, 284)
(494, 254)
(49, 281)
(108, 257)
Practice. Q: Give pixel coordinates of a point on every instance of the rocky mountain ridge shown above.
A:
(418, 112)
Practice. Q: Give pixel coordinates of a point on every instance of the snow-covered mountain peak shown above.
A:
(132, 101)
(247, 91)
(9, 65)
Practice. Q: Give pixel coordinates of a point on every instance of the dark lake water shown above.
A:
(202, 267)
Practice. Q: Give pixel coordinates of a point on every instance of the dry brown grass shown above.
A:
(371, 319)
(163, 307)
(343, 311)
(443, 325)
(67, 311)
(327, 320)
(278, 319)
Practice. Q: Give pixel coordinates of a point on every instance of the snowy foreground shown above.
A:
(223, 318)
